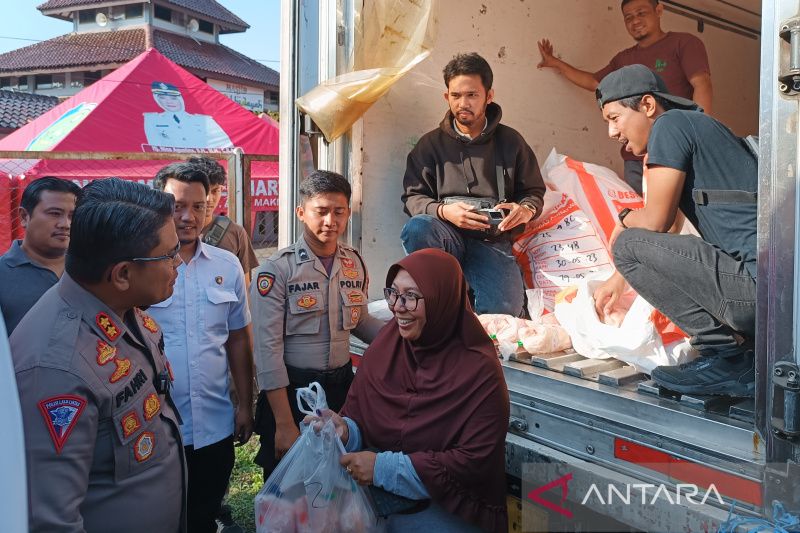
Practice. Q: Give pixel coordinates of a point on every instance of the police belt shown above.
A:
(303, 376)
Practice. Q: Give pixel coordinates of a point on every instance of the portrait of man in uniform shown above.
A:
(175, 127)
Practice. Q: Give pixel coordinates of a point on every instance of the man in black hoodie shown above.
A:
(472, 159)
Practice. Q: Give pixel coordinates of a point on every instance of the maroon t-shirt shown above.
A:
(676, 58)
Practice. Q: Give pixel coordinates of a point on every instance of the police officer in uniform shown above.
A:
(306, 300)
(101, 431)
(178, 129)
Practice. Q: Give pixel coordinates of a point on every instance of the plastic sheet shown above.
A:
(392, 36)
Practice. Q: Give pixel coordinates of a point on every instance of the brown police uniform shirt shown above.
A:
(302, 317)
(103, 446)
(237, 242)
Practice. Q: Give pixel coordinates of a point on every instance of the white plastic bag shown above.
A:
(635, 341)
(309, 491)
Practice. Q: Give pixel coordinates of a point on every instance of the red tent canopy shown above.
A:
(148, 105)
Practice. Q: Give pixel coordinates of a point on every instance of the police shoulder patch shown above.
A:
(151, 406)
(348, 263)
(107, 326)
(264, 283)
(60, 414)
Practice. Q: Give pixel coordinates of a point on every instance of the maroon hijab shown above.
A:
(441, 399)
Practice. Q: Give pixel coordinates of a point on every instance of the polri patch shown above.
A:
(264, 283)
(355, 297)
(130, 424)
(60, 414)
(306, 301)
(122, 370)
(144, 446)
(348, 263)
(152, 405)
(349, 273)
(149, 323)
(107, 326)
(302, 254)
(105, 352)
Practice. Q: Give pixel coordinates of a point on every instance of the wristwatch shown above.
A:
(621, 216)
(530, 208)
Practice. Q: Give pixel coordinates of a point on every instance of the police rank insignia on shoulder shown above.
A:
(130, 424)
(149, 323)
(60, 414)
(264, 283)
(302, 254)
(143, 448)
(306, 301)
(122, 370)
(355, 314)
(107, 326)
(350, 273)
(348, 263)
(151, 406)
(105, 352)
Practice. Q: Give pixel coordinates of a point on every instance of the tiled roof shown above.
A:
(213, 58)
(17, 109)
(208, 8)
(76, 49)
(112, 47)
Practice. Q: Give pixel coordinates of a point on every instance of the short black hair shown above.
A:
(32, 194)
(212, 168)
(181, 171)
(468, 65)
(632, 102)
(324, 181)
(626, 2)
(114, 220)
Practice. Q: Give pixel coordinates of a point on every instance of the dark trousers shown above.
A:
(209, 470)
(707, 293)
(335, 382)
(633, 174)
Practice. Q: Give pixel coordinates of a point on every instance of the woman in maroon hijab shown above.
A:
(430, 395)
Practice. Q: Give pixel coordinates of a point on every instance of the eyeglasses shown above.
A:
(409, 299)
(171, 256)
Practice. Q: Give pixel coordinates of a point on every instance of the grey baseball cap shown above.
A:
(635, 80)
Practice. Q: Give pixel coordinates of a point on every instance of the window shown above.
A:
(23, 83)
(134, 11)
(43, 81)
(86, 16)
(206, 27)
(162, 13)
(273, 97)
(89, 77)
(5, 83)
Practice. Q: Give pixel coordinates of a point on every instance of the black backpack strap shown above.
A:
(217, 231)
(706, 197)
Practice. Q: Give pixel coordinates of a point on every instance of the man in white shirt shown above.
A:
(206, 325)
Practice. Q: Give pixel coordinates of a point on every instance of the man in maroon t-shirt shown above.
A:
(679, 58)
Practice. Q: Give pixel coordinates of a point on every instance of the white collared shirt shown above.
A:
(209, 301)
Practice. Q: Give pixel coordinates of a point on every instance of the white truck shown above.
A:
(588, 449)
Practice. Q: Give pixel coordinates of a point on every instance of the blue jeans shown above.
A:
(489, 267)
(707, 293)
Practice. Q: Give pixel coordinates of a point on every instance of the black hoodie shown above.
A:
(444, 164)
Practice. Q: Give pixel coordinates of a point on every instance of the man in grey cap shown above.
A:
(707, 286)
(102, 439)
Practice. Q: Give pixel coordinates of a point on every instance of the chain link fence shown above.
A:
(251, 197)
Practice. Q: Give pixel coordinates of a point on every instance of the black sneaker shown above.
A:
(734, 376)
(225, 521)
